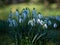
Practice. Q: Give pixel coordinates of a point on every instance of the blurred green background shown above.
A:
(46, 7)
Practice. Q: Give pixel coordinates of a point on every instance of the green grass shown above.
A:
(4, 12)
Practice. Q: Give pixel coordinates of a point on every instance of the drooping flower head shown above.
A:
(55, 25)
(39, 16)
(17, 12)
(20, 19)
(38, 21)
(31, 22)
(34, 20)
(10, 15)
(41, 22)
(34, 13)
(45, 26)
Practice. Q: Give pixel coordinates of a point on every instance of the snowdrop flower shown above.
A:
(20, 20)
(17, 12)
(10, 22)
(55, 25)
(38, 21)
(14, 23)
(49, 22)
(34, 12)
(57, 18)
(10, 15)
(40, 16)
(41, 22)
(34, 20)
(24, 16)
(45, 26)
(27, 11)
(30, 22)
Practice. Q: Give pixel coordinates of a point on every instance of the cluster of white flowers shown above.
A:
(41, 22)
(34, 20)
(44, 23)
(30, 22)
(27, 10)
(21, 18)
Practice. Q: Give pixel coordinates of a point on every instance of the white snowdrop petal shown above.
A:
(38, 20)
(55, 25)
(41, 22)
(31, 22)
(20, 20)
(45, 25)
